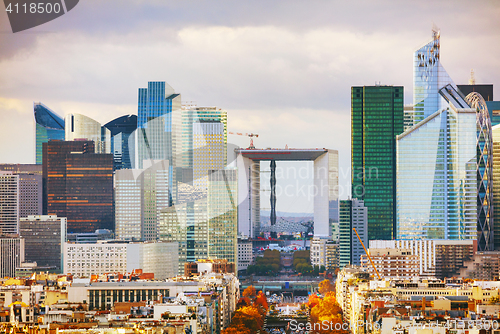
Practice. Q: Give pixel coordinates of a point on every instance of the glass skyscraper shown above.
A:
(428, 77)
(376, 119)
(121, 128)
(159, 134)
(444, 160)
(48, 126)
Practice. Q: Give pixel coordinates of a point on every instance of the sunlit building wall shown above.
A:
(9, 203)
(81, 127)
(208, 151)
(223, 215)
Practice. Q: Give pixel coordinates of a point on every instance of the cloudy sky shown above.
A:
(282, 69)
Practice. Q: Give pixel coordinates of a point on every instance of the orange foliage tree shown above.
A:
(261, 303)
(326, 310)
(249, 292)
(250, 312)
(326, 286)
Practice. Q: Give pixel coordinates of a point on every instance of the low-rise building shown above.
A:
(103, 257)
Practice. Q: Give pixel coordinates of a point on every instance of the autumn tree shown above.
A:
(261, 303)
(326, 286)
(249, 292)
(327, 310)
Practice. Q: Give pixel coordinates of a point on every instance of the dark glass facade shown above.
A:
(43, 240)
(486, 91)
(121, 128)
(48, 126)
(78, 184)
(376, 119)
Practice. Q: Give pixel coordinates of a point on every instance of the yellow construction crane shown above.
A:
(362, 244)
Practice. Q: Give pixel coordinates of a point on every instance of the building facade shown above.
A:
(353, 214)
(222, 206)
(48, 126)
(84, 260)
(376, 120)
(121, 129)
(30, 187)
(44, 238)
(78, 185)
(81, 127)
(9, 203)
(208, 151)
(396, 263)
(11, 254)
(245, 254)
(140, 195)
(437, 258)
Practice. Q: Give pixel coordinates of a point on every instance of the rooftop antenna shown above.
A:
(472, 80)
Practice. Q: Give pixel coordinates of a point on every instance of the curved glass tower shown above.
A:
(48, 126)
(121, 128)
(484, 172)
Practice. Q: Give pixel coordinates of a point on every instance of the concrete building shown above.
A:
(44, 238)
(483, 266)
(318, 251)
(332, 255)
(9, 203)
(245, 254)
(121, 257)
(438, 258)
(11, 254)
(30, 187)
(395, 263)
(326, 173)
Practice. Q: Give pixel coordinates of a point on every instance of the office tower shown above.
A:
(9, 203)
(48, 126)
(496, 185)
(186, 224)
(120, 130)
(223, 215)
(158, 140)
(11, 254)
(193, 115)
(444, 162)
(353, 214)
(140, 195)
(30, 187)
(428, 77)
(80, 127)
(376, 119)
(78, 185)
(159, 129)
(443, 166)
(208, 150)
(44, 238)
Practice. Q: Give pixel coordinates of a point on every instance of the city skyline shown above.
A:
(247, 63)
